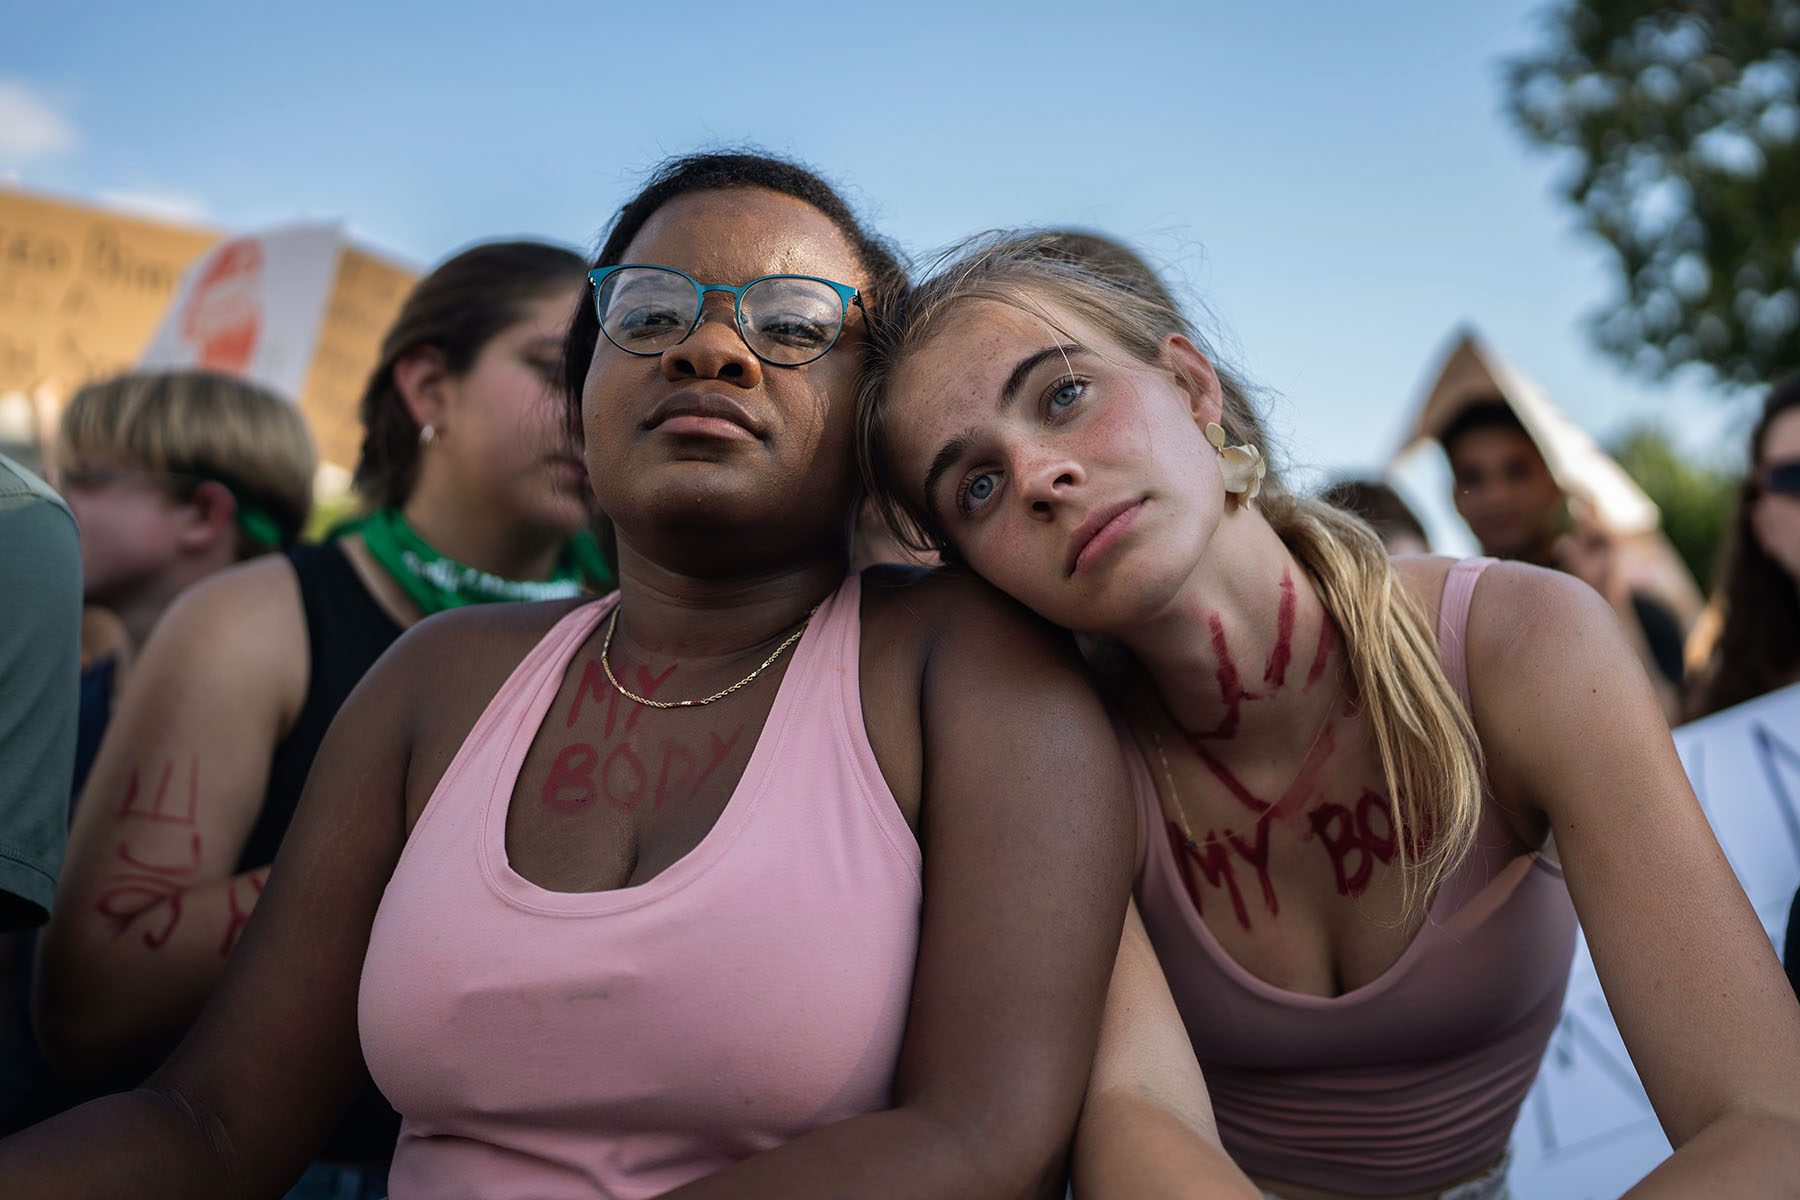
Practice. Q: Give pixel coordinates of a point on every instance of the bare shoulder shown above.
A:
(444, 671)
(1422, 575)
(949, 606)
(1530, 623)
(243, 628)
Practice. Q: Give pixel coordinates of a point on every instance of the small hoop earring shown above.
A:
(427, 435)
(1242, 467)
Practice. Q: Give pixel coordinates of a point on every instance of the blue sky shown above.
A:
(1335, 182)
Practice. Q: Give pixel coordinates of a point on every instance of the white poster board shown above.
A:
(251, 306)
(1587, 1130)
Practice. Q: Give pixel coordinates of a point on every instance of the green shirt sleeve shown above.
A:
(40, 665)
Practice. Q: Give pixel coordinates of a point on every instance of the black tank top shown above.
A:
(346, 631)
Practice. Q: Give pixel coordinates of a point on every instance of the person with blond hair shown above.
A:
(1359, 781)
(474, 494)
(172, 476)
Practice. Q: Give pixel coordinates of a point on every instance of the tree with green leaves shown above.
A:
(1683, 124)
(1695, 497)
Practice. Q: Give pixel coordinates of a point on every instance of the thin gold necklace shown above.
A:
(1187, 830)
(606, 665)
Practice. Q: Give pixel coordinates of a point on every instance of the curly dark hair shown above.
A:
(1759, 645)
(723, 171)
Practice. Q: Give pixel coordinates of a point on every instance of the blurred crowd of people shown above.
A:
(175, 654)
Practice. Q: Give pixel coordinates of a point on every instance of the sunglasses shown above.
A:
(1780, 478)
(785, 320)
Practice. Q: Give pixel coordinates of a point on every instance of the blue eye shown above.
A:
(1065, 394)
(976, 491)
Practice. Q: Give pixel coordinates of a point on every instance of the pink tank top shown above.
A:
(549, 1044)
(1412, 1080)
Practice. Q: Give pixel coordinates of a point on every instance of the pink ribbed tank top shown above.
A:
(1412, 1080)
(550, 1044)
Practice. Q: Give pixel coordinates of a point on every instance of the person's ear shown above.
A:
(1195, 376)
(423, 382)
(209, 518)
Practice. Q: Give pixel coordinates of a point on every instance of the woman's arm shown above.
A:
(149, 906)
(249, 1096)
(1026, 832)
(1571, 727)
(1147, 1127)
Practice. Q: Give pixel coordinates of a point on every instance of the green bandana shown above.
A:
(436, 583)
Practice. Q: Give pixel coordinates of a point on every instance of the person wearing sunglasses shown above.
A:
(1757, 649)
(734, 883)
(1758, 645)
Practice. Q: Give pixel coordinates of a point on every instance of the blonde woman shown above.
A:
(1359, 784)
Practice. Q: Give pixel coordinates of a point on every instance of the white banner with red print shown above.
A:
(252, 306)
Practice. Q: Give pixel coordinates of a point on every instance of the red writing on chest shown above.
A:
(579, 775)
(593, 683)
(1356, 839)
(1212, 858)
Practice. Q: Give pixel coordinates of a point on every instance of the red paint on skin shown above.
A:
(572, 770)
(156, 893)
(623, 774)
(1349, 835)
(571, 786)
(1322, 655)
(1223, 774)
(1231, 687)
(158, 809)
(716, 752)
(240, 912)
(593, 683)
(646, 687)
(177, 869)
(1212, 858)
(1257, 855)
(1276, 670)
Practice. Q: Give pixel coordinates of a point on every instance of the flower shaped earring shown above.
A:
(1243, 466)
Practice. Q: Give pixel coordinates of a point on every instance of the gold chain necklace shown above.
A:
(606, 665)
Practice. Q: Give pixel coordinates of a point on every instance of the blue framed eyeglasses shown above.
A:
(786, 320)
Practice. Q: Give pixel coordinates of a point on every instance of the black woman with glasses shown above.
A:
(758, 878)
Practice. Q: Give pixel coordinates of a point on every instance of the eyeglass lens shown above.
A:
(783, 319)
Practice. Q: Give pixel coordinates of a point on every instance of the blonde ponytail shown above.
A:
(1429, 752)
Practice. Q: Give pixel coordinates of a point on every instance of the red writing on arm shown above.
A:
(132, 899)
(148, 892)
(241, 908)
(158, 807)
